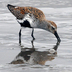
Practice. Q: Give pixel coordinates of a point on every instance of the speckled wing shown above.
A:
(19, 12)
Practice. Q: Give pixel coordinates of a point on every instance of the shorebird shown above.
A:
(32, 17)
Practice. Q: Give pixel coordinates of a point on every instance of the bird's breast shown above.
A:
(25, 24)
(28, 21)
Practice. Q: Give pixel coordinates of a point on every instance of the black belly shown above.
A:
(25, 24)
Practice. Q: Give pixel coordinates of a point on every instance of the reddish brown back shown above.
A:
(19, 12)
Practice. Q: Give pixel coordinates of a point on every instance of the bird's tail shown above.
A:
(16, 11)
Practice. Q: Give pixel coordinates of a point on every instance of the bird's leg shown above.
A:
(20, 37)
(32, 42)
(32, 33)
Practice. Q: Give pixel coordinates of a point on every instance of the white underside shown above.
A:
(28, 19)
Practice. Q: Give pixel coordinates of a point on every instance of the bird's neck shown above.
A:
(44, 25)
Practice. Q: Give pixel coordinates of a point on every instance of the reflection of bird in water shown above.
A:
(31, 56)
(33, 18)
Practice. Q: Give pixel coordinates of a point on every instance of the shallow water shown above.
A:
(58, 11)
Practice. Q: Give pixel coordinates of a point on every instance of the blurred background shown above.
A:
(59, 11)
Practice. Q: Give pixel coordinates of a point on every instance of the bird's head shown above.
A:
(53, 29)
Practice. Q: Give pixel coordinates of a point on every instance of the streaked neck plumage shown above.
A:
(46, 25)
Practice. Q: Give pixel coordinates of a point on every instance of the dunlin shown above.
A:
(32, 17)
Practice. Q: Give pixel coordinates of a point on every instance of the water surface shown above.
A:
(58, 11)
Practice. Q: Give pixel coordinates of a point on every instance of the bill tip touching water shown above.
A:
(32, 17)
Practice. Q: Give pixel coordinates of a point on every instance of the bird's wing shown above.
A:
(19, 12)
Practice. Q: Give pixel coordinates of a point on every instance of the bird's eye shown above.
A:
(53, 28)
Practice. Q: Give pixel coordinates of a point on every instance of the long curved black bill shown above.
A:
(57, 36)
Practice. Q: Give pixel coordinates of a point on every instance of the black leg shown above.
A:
(32, 33)
(32, 43)
(20, 37)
